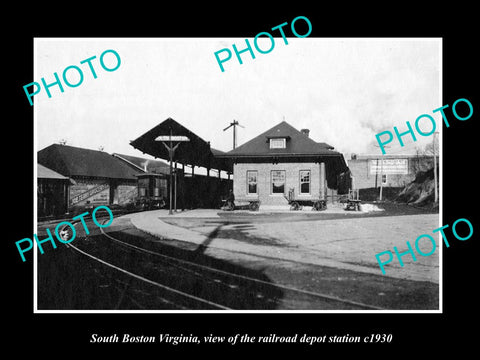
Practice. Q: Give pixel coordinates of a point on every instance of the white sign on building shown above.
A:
(390, 166)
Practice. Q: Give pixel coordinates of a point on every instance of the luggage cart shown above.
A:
(353, 201)
(240, 204)
(298, 204)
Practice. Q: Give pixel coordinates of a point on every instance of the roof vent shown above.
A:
(305, 132)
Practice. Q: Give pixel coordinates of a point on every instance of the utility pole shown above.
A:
(381, 179)
(435, 166)
(381, 171)
(234, 123)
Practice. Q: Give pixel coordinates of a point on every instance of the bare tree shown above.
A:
(432, 147)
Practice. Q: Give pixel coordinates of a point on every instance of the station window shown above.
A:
(278, 143)
(278, 181)
(252, 182)
(304, 181)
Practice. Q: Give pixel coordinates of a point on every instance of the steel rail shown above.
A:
(150, 281)
(244, 277)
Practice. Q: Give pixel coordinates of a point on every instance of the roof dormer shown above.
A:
(278, 142)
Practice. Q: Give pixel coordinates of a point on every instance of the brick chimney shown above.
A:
(305, 131)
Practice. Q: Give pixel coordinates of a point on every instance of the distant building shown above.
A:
(398, 170)
(52, 192)
(97, 177)
(267, 167)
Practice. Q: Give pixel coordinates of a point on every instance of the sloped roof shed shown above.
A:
(148, 165)
(73, 161)
(46, 173)
(194, 152)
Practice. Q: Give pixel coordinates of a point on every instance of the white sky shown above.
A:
(344, 90)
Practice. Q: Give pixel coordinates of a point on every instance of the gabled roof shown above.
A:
(75, 161)
(142, 164)
(299, 148)
(194, 152)
(297, 144)
(216, 152)
(46, 173)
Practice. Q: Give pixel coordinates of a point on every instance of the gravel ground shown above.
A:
(348, 241)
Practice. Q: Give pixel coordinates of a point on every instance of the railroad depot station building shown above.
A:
(279, 162)
(284, 159)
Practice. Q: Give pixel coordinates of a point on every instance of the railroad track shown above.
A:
(183, 284)
(150, 282)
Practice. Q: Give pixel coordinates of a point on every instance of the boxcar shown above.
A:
(152, 191)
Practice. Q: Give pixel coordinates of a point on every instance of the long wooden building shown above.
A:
(97, 178)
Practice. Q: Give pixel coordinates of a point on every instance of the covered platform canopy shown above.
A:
(195, 152)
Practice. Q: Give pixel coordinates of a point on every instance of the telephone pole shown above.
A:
(381, 171)
(435, 167)
(234, 124)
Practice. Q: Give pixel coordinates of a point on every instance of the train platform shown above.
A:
(156, 222)
(349, 244)
(336, 208)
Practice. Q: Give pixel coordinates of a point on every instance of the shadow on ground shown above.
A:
(68, 280)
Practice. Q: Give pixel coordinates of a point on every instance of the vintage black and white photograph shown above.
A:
(269, 174)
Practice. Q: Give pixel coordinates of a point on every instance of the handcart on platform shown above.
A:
(353, 202)
(240, 204)
(298, 203)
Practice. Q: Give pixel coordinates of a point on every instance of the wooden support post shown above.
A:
(381, 179)
(182, 187)
(175, 188)
(435, 167)
(322, 181)
(170, 153)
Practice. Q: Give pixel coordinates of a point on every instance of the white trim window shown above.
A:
(279, 143)
(304, 181)
(277, 178)
(252, 182)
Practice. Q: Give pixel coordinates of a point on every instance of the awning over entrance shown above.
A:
(196, 151)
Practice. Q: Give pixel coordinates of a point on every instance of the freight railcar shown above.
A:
(152, 191)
